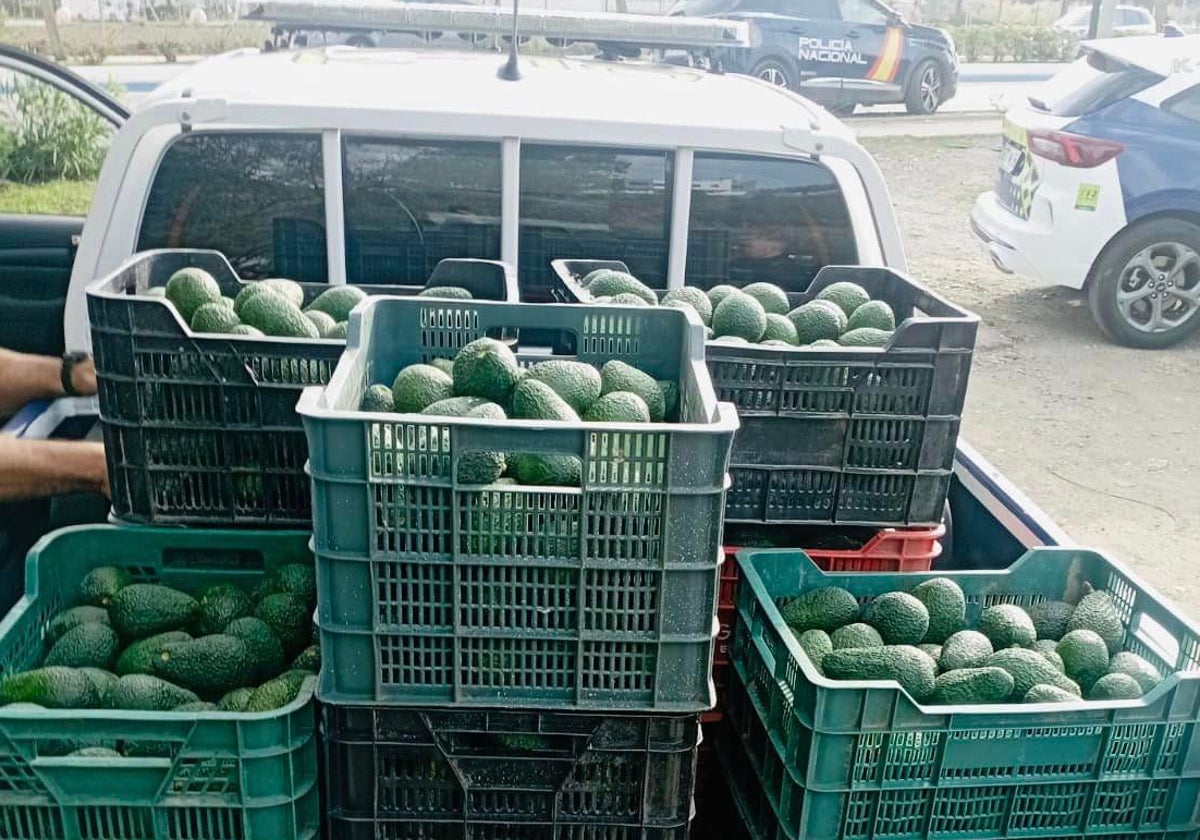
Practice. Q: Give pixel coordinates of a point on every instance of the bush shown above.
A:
(53, 136)
(1001, 42)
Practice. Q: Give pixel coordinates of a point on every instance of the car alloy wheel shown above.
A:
(931, 88)
(774, 75)
(1159, 288)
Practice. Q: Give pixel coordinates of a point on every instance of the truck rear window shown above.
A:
(768, 219)
(257, 198)
(1091, 83)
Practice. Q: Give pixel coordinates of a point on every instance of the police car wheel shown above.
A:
(774, 71)
(1145, 290)
(925, 87)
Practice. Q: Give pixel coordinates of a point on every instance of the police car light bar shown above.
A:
(375, 15)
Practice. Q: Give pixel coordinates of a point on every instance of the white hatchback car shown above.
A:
(1099, 187)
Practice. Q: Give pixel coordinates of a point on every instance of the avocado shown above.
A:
(277, 316)
(486, 368)
(289, 617)
(236, 700)
(246, 330)
(616, 375)
(770, 297)
(1050, 619)
(197, 706)
(1007, 625)
(1043, 693)
(476, 467)
(274, 694)
(1049, 649)
(139, 657)
(446, 293)
(144, 609)
(1115, 687)
(143, 692)
(618, 407)
(339, 331)
(934, 652)
(824, 343)
(289, 289)
(338, 301)
(323, 322)
(377, 398)
(875, 314)
(1134, 666)
(210, 666)
(740, 316)
(213, 317)
(190, 288)
(1084, 656)
(576, 382)
(1097, 612)
(52, 687)
(900, 618)
(72, 618)
(265, 648)
(446, 366)
(300, 579)
(103, 680)
(628, 299)
(970, 686)
(94, 752)
(1028, 668)
(219, 605)
(90, 645)
(100, 585)
(855, 636)
(418, 386)
(946, 605)
(815, 643)
(308, 660)
(865, 337)
(965, 649)
(817, 320)
(848, 296)
(670, 392)
(718, 293)
(827, 608)
(780, 329)
(612, 283)
(693, 297)
(533, 400)
(905, 664)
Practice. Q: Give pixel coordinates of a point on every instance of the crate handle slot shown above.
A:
(229, 559)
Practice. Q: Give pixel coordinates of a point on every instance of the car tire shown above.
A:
(775, 71)
(842, 110)
(1145, 287)
(925, 86)
(361, 41)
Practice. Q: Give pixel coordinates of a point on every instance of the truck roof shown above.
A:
(579, 90)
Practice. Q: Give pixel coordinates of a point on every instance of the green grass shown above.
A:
(55, 198)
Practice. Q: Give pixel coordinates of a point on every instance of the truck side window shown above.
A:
(411, 203)
(257, 198)
(594, 203)
(767, 219)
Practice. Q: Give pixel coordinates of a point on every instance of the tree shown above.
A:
(56, 45)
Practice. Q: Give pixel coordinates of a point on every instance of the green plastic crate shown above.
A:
(862, 759)
(220, 776)
(595, 597)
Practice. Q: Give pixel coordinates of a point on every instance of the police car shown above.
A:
(840, 53)
(1099, 187)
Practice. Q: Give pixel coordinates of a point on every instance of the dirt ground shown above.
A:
(1100, 436)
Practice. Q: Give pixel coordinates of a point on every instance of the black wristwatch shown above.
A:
(69, 360)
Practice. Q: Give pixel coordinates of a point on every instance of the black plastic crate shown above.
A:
(428, 774)
(853, 435)
(202, 429)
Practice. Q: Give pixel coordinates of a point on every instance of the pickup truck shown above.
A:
(341, 165)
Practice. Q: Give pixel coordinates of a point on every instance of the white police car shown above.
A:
(1099, 187)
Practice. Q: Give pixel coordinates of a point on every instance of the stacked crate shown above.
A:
(506, 660)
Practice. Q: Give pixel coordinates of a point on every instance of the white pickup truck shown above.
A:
(342, 165)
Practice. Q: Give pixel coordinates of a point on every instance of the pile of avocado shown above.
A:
(1054, 652)
(271, 307)
(842, 315)
(485, 380)
(144, 646)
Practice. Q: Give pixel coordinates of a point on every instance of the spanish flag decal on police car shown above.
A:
(888, 63)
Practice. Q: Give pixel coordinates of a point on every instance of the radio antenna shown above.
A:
(510, 71)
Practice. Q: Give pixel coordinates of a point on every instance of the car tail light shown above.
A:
(1073, 149)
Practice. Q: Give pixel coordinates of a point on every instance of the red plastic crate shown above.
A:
(889, 550)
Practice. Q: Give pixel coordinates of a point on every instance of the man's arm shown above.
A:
(31, 469)
(24, 378)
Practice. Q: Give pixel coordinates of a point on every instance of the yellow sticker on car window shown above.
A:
(1088, 197)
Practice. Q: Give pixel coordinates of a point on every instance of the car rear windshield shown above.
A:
(1091, 83)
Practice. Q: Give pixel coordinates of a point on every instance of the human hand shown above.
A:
(83, 377)
(94, 466)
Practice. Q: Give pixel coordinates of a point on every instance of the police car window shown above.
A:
(594, 203)
(1092, 83)
(863, 11)
(410, 204)
(1186, 104)
(257, 198)
(767, 219)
